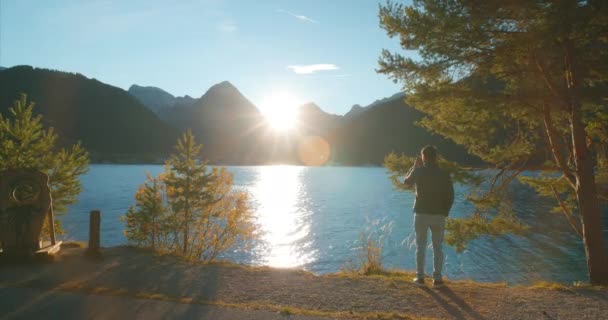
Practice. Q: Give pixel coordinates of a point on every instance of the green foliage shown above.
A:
(148, 221)
(187, 183)
(25, 143)
(510, 81)
(190, 210)
(399, 165)
(461, 231)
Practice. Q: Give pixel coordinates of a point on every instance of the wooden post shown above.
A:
(94, 224)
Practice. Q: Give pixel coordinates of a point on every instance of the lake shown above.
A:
(312, 218)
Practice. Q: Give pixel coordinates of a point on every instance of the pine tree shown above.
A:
(25, 143)
(190, 210)
(148, 222)
(518, 83)
(187, 182)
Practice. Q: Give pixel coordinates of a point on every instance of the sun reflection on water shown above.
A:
(283, 221)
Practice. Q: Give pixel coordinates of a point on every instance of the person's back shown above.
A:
(434, 191)
(434, 198)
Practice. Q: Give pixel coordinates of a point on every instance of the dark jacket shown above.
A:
(434, 189)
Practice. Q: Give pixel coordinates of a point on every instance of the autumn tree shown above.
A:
(187, 181)
(148, 221)
(191, 209)
(520, 84)
(25, 143)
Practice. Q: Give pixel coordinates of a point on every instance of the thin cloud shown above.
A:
(312, 68)
(298, 16)
(227, 26)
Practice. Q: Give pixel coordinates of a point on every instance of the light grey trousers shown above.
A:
(422, 223)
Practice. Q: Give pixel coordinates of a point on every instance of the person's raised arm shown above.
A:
(410, 177)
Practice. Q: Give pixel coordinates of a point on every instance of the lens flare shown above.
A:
(314, 151)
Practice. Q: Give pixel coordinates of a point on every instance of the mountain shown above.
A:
(154, 98)
(395, 97)
(2, 68)
(354, 111)
(227, 123)
(110, 122)
(234, 131)
(387, 125)
(158, 100)
(314, 121)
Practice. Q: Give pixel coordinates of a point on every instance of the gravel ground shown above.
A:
(131, 272)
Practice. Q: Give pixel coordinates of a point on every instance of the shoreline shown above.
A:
(132, 272)
(137, 163)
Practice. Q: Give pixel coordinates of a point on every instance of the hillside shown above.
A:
(227, 124)
(384, 126)
(158, 100)
(314, 121)
(111, 124)
(235, 132)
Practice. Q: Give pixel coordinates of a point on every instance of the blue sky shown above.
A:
(317, 50)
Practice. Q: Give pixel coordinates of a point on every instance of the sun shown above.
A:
(281, 110)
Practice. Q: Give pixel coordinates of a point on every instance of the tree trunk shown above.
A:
(586, 189)
(153, 234)
(187, 203)
(586, 194)
(186, 225)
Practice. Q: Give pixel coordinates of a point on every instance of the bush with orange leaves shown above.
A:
(190, 210)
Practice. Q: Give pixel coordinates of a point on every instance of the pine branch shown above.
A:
(577, 228)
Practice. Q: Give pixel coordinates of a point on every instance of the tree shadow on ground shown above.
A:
(129, 271)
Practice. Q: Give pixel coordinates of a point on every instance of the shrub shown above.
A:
(190, 210)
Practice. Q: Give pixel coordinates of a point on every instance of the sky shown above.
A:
(316, 50)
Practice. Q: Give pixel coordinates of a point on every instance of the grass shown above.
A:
(578, 285)
(407, 276)
(549, 286)
(370, 258)
(386, 274)
(287, 311)
(175, 258)
(74, 244)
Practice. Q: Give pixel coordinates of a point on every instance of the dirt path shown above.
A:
(131, 272)
(29, 303)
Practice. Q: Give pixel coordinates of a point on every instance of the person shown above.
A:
(434, 199)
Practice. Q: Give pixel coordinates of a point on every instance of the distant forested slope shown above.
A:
(389, 125)
(108, 120)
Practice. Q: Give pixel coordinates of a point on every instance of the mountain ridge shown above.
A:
(111, 121)
(107, 119)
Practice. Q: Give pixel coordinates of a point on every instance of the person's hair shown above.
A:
(430, 153)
